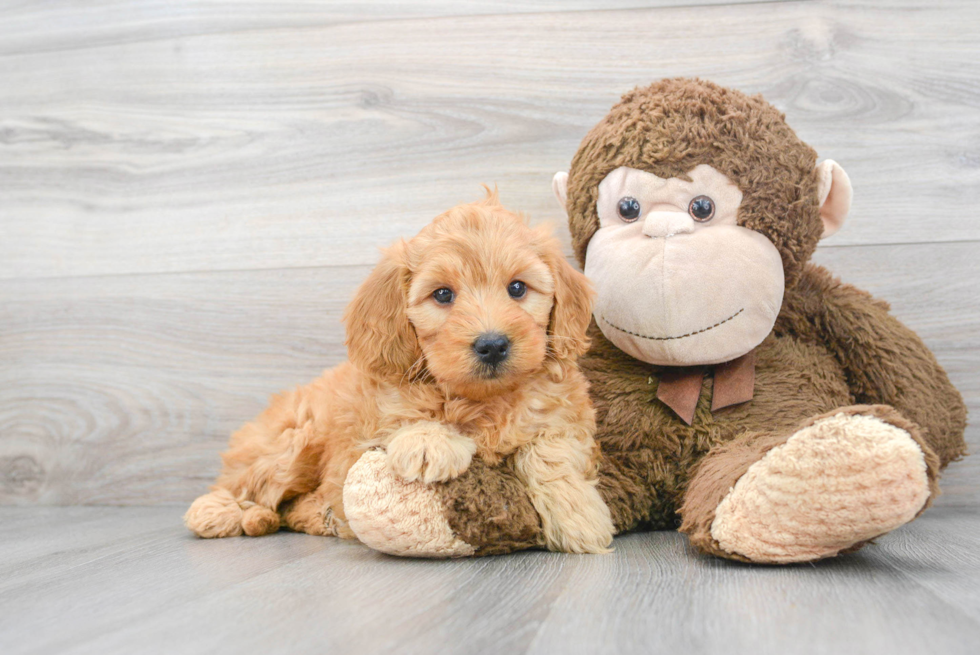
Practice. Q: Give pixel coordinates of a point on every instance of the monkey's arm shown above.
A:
(885, 362)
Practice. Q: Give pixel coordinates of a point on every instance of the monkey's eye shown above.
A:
(516, 289)
(701, 209)
(629, 209)
(443, 296)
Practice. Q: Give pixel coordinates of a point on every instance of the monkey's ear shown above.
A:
(834, 193)
(559, 184)
(380, 338)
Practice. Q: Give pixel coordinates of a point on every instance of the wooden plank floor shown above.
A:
(131, 580)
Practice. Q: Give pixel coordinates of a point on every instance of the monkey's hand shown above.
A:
(429, 451)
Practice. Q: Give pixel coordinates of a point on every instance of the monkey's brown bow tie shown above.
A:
(680, 386)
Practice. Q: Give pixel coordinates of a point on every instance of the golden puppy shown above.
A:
(462, 341)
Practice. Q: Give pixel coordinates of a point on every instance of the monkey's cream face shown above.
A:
(679, 282)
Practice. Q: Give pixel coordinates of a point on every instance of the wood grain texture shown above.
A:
(190, 194)
(63, 25)
(219, 146)
(110, 580)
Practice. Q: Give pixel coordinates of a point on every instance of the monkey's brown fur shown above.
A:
(834, 349)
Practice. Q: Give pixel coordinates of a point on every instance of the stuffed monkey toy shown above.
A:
(742, 394)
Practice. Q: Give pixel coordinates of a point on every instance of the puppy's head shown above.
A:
(477, 300)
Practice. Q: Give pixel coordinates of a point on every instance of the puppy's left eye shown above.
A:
(443, 296)
(517, 289)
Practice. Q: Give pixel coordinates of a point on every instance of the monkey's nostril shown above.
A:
(491, 348)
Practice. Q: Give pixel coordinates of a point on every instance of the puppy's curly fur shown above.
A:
(415, 386)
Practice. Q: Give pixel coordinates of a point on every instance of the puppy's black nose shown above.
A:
(491, 348)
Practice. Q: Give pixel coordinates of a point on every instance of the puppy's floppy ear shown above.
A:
(380, 338)
(572, 311)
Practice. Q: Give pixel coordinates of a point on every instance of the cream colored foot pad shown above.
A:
(397, 517)
(843, 480)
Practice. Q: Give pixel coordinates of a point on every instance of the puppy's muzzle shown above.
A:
(491, 348)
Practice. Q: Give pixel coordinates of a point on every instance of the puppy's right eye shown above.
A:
(443, 296)
(516, 289)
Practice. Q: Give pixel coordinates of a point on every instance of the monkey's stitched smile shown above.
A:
(680, 336)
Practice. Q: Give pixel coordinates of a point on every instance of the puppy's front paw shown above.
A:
(584, 527)
(430, 452)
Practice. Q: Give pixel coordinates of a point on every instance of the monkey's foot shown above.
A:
(833, 485)
(397, 517)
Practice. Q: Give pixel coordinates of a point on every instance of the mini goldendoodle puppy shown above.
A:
(462, 342)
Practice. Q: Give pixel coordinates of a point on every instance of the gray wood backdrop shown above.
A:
(191, 190)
